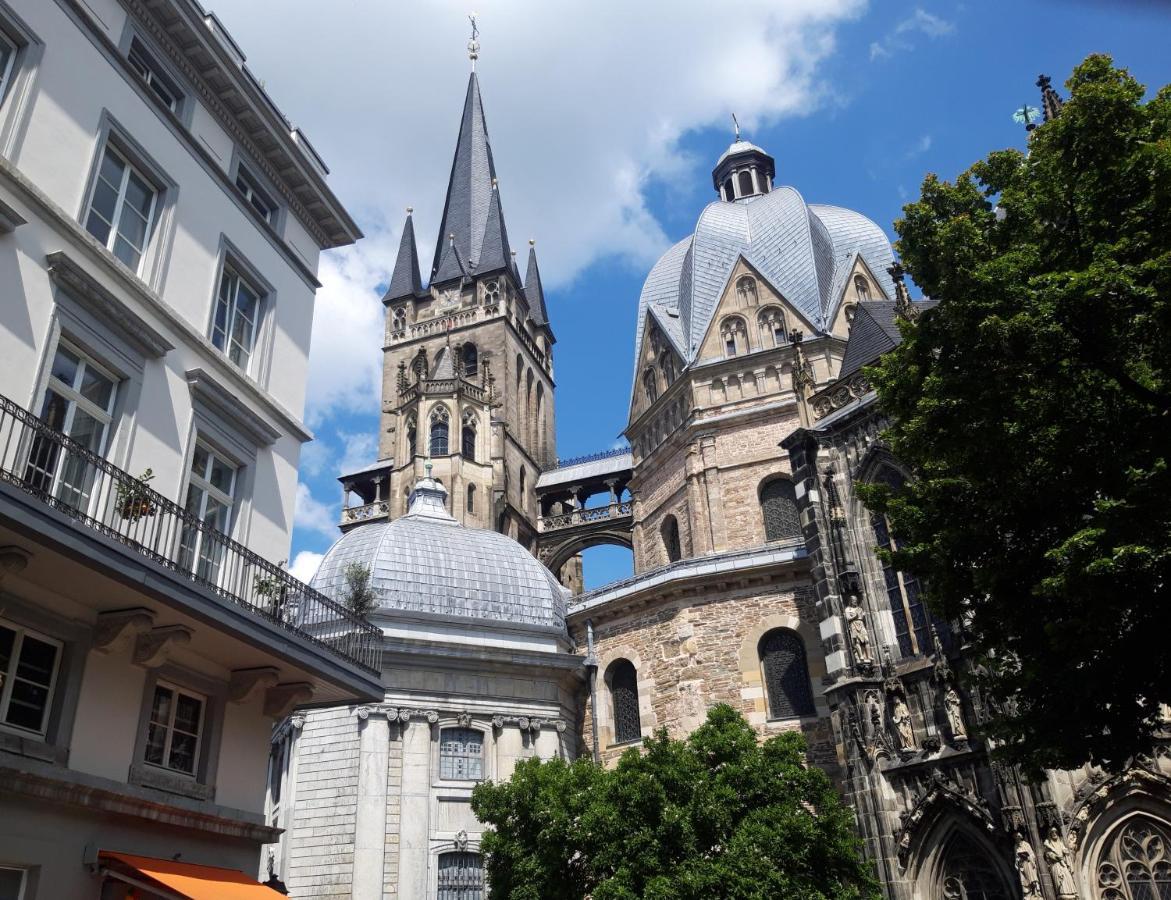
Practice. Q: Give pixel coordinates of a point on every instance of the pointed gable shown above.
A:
(405, 282)
(495, 252)
(534, 294)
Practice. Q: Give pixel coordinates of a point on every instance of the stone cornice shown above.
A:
(404, 715)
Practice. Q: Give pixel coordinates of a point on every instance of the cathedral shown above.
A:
(755, 578)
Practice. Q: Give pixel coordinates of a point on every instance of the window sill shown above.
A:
(146, 775)
(33, 746)
(636, 742)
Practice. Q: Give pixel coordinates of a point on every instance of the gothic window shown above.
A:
(733, 334)
(729, 191)
(523, 498)
(862, 287)
(670, 532)
(778, 503)
(471, 359)
(650, 386)
(669, 371)
(772, 326)
(746, 291)
(412, 434)
(624, 694)
(970, 874)
(786, 675)
(492, 293)
(461, 754)
(440, 423)
(467, 447)
(399, 319)
(461, 876)
(1136, 864)
(912, 624)
(744, 180)
(471, 499)
(851, 309)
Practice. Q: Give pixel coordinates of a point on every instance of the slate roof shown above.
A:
(874, 331)
(583, 471)
(405, 282)
(534, 293)
(426, 562)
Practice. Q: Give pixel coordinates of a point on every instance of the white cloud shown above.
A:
(305, 565)
(313, 515)
(920, 147)
(586, 104)
(899, 38)
(359, 449)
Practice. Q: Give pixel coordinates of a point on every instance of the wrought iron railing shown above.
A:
(71, 479)
(576, 517)
(591, 457)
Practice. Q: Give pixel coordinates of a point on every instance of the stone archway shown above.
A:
(556, 553)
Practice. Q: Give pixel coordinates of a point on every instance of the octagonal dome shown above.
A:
(427, 562)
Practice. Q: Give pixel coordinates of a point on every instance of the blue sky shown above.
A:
(607, 160)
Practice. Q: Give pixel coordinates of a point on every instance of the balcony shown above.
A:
(65, 476)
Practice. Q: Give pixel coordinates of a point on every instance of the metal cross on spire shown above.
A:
(736, 126)
(474, 44)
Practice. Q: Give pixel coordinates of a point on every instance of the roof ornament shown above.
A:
(904, 309)
(736, 126)
(410, 209)
(1051, 102)
(1027, 116)
(474, 44)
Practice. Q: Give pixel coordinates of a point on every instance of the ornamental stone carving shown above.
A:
(115, 628)
(1026, 866)
(900, 717)
(859, 634)
(153, 648)
(1057, 858)
(954, 709)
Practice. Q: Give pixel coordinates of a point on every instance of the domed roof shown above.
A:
(427, 562)
(805, 251)
(737, 147)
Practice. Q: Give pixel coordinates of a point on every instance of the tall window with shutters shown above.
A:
(623, 681)
(786, 675)
(778, 505)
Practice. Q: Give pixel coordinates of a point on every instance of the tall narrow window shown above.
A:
(398, 320)
(624, 693)
(468, 437)
(670, 372)
(257, 197)
(163, 86)
(440, 424)
(237, 313)
(729, 190)
(744, 182)
(173, 734)
(12, 883)
(471, 499)
(461, 876)
(772, 327)
(862, 287)
(912, 623)
(786, 675)
(461, 754)
(412, 437)
(471, 359)
(733, 332)
(28, 672)
(79, 403)
(670, 532)
(7, 62)
(778, 503)
(746, 291)
(650, 386)
(209, 502)
(122, 209)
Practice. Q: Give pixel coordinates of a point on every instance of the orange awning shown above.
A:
(188, 880)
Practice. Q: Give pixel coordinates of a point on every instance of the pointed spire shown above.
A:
(494, 252)
(469, 192)
(405, 281)
(451, 263)
(1050, 101)
(904, 308)
(533, 291)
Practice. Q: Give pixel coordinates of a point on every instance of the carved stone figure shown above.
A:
(900, 716)
(1026, 865)
(1057, 857)
(872, 722)
(955, 713)
(859, 634)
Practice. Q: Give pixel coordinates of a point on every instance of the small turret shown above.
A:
(405, 282)
(745, 170)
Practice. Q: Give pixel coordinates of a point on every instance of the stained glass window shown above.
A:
(778, 501)
(624, 692)
(786, 675)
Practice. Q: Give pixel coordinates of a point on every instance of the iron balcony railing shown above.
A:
(576, 517)
(70, 478)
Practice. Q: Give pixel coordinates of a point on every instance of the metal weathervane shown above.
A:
(474, 44)
(736, 126)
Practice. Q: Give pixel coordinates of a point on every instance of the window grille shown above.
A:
(969, 873)
(624, 692)
(461, 754)
(786, 675)
(461, 876)
(778, 501)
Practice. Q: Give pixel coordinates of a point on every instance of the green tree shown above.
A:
(358, 595)
(1033, 407)
(715, 816)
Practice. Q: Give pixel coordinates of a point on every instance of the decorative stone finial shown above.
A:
(427, 466)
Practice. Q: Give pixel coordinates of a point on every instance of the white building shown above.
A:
(161, 224)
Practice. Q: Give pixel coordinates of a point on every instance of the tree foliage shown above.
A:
(715, 816)
(358, 594)
(1033, 406)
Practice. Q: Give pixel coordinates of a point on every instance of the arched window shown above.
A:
(786, 675)
(524, 501)
(1136, 863)
(624, 694)
(650, 386)
(746, 291)
(412, 436)
(471, 499)
(670, 533)
(461, 876)
(419, 366)
(670, 372)
(729, 191)
(461, 754)
(398, 320)
(440, 423)
(862, 287)
(734, 335)
(772, 327)
(912, 623)
(778, 503)
(467, 445)
(969, 873)
(492, 293)
(744, 181)
(851, 310)
(471, 359)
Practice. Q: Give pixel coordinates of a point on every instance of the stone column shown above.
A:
(370, 818)
(414, 818)
(701, 542)
(509, 751)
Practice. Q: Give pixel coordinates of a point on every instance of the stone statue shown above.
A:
(1026, 865)
(955, 713)
(900, 715)
(872, 727)
(1057, 858)
(859, 634)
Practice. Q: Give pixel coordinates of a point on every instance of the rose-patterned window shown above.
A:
(1136, 864)
(398, 320)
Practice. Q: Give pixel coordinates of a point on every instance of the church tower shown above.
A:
(468, 362)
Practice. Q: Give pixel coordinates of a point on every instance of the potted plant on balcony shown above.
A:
(133, 497)
(270, 589)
